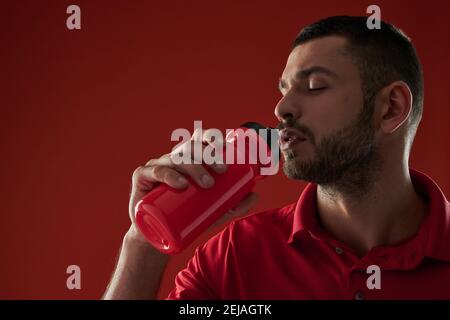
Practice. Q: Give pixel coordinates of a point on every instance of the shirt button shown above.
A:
(359, 295)
(338, 250)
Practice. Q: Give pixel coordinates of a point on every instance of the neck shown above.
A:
(388, 212)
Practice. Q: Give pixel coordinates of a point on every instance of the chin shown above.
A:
(294, 156)
(291, 167)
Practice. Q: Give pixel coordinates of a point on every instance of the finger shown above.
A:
(193, 151)
(210, 155)
(147, 176)
(198, 173)
(195, 171)
(191, 164)
(213, 156)
(164, 160)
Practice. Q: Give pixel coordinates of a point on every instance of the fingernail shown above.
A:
(207, 181)
(181, 181)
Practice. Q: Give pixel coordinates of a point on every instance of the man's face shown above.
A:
(329, 136)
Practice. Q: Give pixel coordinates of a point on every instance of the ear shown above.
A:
(394, 106)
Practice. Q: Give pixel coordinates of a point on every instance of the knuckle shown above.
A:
(171, 175)
(154, 162)
(198, 170)
(187, 169)
(137, 172)
(157, 172)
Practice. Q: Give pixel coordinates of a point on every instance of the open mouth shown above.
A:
(289, 137)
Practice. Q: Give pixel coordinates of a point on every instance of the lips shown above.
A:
(289, 137)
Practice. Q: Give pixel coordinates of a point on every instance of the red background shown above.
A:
(80, 110)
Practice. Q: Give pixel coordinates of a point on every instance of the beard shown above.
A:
(344, 162)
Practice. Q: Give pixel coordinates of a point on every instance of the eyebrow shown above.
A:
(305, 73)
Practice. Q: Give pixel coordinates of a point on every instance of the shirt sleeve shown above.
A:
(205, 272)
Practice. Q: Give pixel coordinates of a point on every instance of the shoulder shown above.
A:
(271, 219)
(213, 269)
(269, 225)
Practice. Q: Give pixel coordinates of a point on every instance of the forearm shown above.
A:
(138, 273)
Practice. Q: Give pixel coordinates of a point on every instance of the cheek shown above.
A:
(335, 112)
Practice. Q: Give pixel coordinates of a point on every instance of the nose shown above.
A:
(286, 109)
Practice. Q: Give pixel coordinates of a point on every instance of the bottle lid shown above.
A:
(271, 137)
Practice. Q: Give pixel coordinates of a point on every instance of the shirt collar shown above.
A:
(305, 212)
(434, 230)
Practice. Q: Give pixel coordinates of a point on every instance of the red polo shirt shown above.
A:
(285, 254)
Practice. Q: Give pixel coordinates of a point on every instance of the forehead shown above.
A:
(329, 52)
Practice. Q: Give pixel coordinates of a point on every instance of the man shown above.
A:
(352, 102)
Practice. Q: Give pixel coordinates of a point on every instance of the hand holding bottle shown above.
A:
(163, 170)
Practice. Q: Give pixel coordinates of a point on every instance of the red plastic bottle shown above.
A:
(171, 219)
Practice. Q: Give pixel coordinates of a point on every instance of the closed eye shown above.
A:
(316, 89)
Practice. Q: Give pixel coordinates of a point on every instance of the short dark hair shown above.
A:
(382, 56)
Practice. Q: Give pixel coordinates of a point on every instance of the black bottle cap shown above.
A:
(256, 126)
